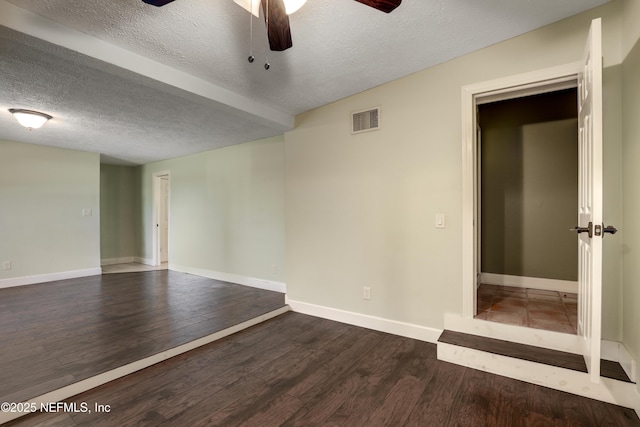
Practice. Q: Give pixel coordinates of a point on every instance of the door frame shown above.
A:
(156, 179)
(535, 82)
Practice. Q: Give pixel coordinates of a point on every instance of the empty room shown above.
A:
(321, 212)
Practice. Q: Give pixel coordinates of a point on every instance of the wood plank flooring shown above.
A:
(296, 370)
(58, 333)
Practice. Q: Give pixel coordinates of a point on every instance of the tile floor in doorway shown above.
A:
(131, 267)
(535, 308)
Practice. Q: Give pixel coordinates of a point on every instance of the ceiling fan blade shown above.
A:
(382, 5)
(157, 2)
(278, 29)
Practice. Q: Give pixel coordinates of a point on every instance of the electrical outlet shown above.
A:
(274, 268)
(87, 212)
(366, 293)
(6, 265)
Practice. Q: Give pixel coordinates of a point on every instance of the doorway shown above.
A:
(527, 202)
(161, 217)
(589, 227)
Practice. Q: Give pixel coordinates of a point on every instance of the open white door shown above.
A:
(590, 201)
(590, 220)
(164, 218)
(161, 216)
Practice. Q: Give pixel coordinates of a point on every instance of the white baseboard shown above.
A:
(529, 282)
(253, 282)
(617, 352)
(50, 277)
(610, 350)
(113, 261)
(628, 364)
(71, 390)
(408, 330)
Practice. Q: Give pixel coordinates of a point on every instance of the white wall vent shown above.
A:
(366, 120)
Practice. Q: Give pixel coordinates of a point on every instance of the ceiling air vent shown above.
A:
(364, 121)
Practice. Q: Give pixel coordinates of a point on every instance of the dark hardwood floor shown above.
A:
(296, 370)
(59, 333)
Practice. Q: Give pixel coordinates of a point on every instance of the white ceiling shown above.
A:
(140, 84)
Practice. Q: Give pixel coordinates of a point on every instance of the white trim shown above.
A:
(569, 343)
(617, 352)
(113, 261)
(253, 282)
(527, 90)
(579, 383)
(529, 282)
(610, 350)
(470, 94)
(98, 380)
(156, 189)
(628, 363)
(403, 329)
(50, 277)
(547, 77)
(469, 194)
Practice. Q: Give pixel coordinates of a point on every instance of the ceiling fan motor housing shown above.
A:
(157, 2)
(277, 20)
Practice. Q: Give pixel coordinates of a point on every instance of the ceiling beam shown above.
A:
(26, 22)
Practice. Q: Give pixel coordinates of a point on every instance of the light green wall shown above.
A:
(612, 248)
(360, 209)
(226, 210)
(631, 186)
(43, 191)
(529, 194)
(631, 27)
(117, 207)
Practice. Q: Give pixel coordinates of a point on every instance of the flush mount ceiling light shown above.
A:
(30, 119)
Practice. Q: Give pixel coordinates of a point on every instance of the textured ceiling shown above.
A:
(102, 108)
(140, 84)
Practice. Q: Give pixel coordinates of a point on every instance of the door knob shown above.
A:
(610, 229)
(587, 229)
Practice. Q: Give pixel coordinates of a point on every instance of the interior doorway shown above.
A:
(589, 222)
(527, 202)
(161, 217)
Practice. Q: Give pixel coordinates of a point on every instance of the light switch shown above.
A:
(440, 221)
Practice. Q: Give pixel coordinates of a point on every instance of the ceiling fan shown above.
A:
(277, 19)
